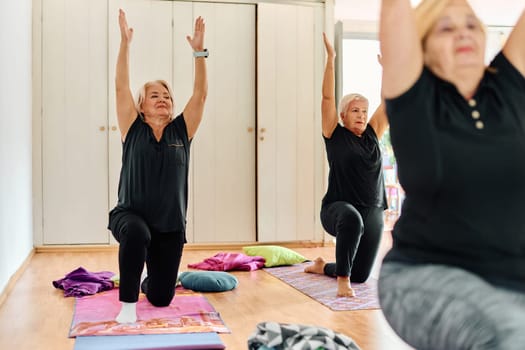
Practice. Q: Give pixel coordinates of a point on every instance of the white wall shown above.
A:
(16, 236)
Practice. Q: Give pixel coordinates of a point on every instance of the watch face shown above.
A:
(201, 53)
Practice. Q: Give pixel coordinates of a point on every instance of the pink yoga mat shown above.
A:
(324, 289)
(189, 312)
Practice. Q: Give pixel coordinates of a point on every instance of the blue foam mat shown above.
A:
(177, 341)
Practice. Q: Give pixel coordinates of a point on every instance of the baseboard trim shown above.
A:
(188, 246)
(15, 277)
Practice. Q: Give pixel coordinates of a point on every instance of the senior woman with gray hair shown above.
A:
(352, 208)
(149, 220)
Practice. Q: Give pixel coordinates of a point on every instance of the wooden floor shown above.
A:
(35, 315)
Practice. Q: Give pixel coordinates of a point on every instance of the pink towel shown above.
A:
(230, 261)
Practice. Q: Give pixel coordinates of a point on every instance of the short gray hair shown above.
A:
(345, 101)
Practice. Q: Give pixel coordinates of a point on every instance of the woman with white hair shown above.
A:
(150, 217)
(455, 277)
(352, 208)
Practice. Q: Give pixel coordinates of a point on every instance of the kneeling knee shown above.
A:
(137, 234)
(359, 277)
(351, 223)
(160, 300)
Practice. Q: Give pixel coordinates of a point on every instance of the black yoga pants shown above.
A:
(358, 232)
(139, 244)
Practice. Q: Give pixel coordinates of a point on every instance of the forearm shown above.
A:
(328, 88)
(401, 52)
(200, 84)
(328, 107)
(122, 69)
(396, 27)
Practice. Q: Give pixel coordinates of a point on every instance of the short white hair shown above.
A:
(345, 101)
(141, 94)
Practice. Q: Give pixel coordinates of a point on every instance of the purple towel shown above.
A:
(81, 282)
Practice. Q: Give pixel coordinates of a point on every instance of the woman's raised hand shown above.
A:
(197, 42)
(329, 48)
(126, 33)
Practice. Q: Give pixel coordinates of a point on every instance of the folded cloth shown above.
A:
(278, 336)
(81, 282)
(230, 261)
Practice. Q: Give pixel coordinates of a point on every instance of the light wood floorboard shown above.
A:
(35, 315)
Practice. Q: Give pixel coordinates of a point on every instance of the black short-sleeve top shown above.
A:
(154, 175)
(462, 165)
(355, 168)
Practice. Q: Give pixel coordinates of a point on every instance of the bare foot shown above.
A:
(343, 288)
(316, 267)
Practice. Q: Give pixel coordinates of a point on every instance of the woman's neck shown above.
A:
(467, 84)
(157, 125)
(157, 122)
(467, 80)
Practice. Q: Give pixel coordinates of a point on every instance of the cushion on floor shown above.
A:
(275, 255)
(208, 281)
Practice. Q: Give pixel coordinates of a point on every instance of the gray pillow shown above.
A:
(208, 281)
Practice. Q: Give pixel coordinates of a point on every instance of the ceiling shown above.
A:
(491, 12)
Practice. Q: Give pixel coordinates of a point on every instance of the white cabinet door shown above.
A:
(74, 122)
(223, 151)
(290, 61)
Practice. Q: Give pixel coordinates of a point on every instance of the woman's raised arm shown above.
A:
(514, 48)
(195, 107)
(401, 51)
(328, 107)
(126, 111)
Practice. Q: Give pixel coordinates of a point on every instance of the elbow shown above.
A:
(202, 94)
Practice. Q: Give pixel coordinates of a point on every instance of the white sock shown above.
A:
(143, 275)
(128, 313)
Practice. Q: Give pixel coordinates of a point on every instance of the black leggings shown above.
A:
(161, 251)
(358, 232)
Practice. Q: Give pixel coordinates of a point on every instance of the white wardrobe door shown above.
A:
(182, 80)
(224, 153)
(74, 122)
(289, 60)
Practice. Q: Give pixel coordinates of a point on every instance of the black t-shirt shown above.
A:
(462, 166)
(356, 171)
(154, 175)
